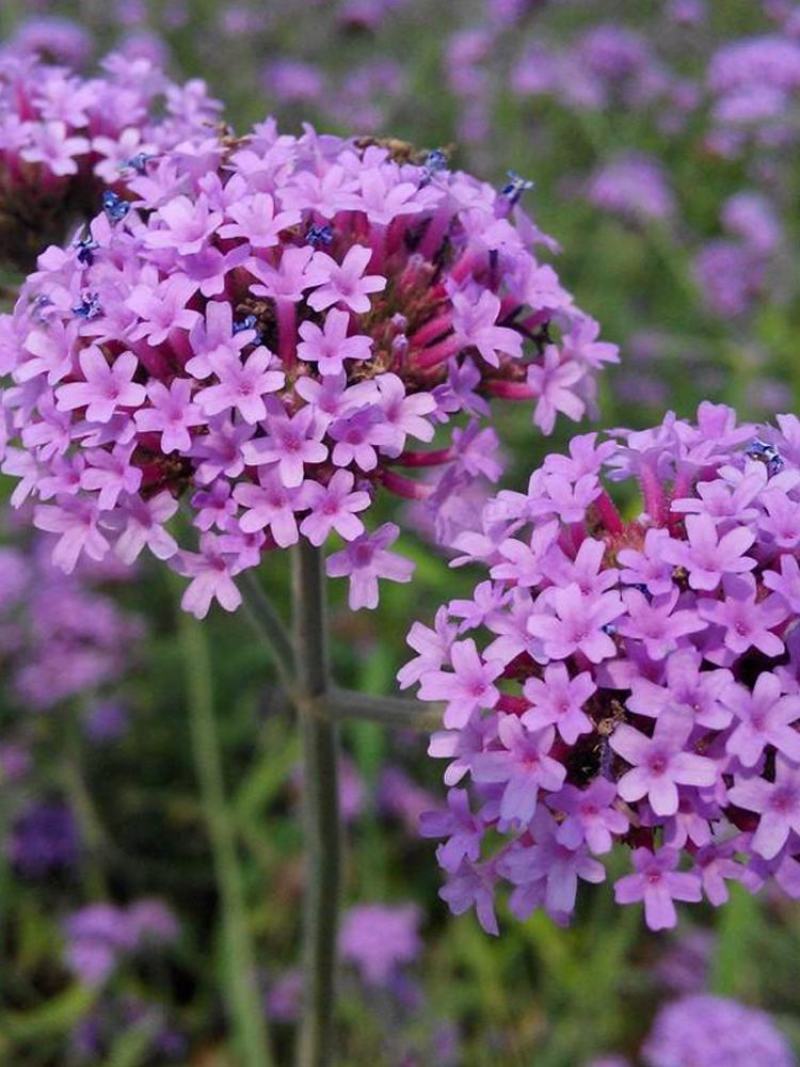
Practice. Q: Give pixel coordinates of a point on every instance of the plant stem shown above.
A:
(320, 809)
(241, 993)
(390, 711)
(269, 624)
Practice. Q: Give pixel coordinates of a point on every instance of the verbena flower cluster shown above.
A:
(269, 327)
(626, 680)
(43, 840)
(709, 1031)
(63, 138)
(101, 937)
(754, 85)
(380, 939)
(60, 635)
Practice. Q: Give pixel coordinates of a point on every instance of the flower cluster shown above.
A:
(43, 840)
(633, 186)
(754, 85)
(379, 939)
(608, 64)
(63, 138)
(269, 326)
(626, 681)
(99, 937)
(60, 635)
(709, 1031)
(733, 272)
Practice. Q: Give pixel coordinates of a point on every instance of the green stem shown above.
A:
(242, 994)
(390, 711)
(320, 810)
(91, 829)
(269, 624)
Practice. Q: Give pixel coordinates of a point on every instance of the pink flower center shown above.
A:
(657, 763)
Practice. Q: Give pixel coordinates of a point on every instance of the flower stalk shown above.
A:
(242, 993)
(320, 809)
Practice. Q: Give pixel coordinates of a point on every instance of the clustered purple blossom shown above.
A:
(100, 937)
(60, 635)
(710, 1031)
(266, 326)
(733, 272)
(64, 137)
(626, 681)
(44, 839)
(754, 85)
(606, 65)
(634, 186)
(380, 939)
(735, 100)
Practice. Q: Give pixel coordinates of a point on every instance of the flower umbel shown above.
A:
(626, 681)
(201, 340)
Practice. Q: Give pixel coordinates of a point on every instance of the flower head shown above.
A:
(626, 681)
(66, 137)
(203, 340)
(712, 1031)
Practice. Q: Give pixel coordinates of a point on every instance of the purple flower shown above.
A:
(173, 414)
(345, 283)
(590, 816)
(379, 939)
(97, 936)
(660, 763)
(546, 873)
(559, 699)
(144, 527)
(633, 186)
(241, 386)
(712, 1031)
(472, 887)
(107, 387)
(778, 804)
(522, 765)
(270, 504)
(747, 623)
(658, 884)
(577, 624)
(330, 346)
(333, 507)
(467, 689)
(655, 622)
(303, 307)
(255, 220)
(187, 225)
(292, 442)
(211, 572)
(706, 555)
(730, 277)
(432, 646)
(671, 679)
(554, 383)
(76, 520)
(111, 475)
(365, 560)
(44, 839)
(474, 324)
(162, 309)
(461, 828)
(786, 583)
